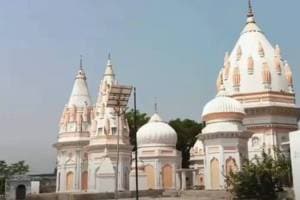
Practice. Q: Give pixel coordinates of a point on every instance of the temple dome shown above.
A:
(157, 133)
(222, 104)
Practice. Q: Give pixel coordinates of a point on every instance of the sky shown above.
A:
(171, 50)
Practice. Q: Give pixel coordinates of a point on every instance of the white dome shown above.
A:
(254, 65)
(223, 104)
(156, 132)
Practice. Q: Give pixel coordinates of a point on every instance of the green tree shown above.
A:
(6, 171)
(141, 119)
(187, 130)
(260, 178)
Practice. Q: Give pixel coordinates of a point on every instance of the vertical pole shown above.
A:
(136, 154)
(118, 143)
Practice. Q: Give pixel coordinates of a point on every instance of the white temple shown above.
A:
(256, 75)
(86, 147)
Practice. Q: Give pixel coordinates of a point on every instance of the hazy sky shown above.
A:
(169, 49)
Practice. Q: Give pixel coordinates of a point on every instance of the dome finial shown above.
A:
(250, 9)
(250, 15)
(80, 64)
(155, 105)
(109, 59)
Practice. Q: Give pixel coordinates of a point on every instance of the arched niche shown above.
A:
(215, 173)
(167, 176)
(149, 170)
(69, 181)
(84, 181)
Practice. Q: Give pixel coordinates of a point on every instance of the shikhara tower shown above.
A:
(102, 149)
(74, 135)
(87, 141)
(256, 74)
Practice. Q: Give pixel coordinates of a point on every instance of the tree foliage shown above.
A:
(261, 177)
(141, 119)
(187, 130)
(6, 171)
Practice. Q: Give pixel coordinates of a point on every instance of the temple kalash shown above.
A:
(254, 109)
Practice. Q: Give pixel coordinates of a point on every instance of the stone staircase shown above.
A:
(205, 195)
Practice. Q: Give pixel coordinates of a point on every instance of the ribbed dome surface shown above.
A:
(156, 132)
(222, 104)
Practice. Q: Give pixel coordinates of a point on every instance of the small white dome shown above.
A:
(156, 132)
(223, 104)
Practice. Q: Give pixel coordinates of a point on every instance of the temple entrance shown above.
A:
(149, 170)
(215, 174)
(69, 182)
(167, 177)
(84, 181)
(21, 192)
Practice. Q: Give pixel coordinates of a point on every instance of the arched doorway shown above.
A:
(84, 181)
(69, 182)
(167, 176)
(21, 192)
(201, 179)
(149, 170)
(215, 174)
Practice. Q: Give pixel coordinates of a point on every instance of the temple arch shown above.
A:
(21, 192)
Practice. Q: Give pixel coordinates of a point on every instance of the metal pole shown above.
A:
(118, 108)
(136, 154)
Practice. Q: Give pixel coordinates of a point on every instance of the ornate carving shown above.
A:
(236, 78)
(267, 79)
(250, 65)
(239, 53)
(261, 51)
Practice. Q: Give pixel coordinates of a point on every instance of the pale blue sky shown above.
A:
(170, 49)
